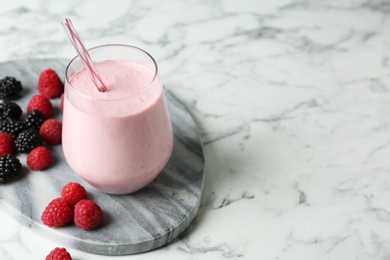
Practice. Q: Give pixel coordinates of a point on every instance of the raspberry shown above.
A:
(9, 88)
(9, 167)
(87, 214)
(41, 103)
(57, 213)
(10, 110)
(10, 126)
(34, 119)
(58, 254)
(73, 192)
(7, 144)
(51, 131)
(28, 140)
(49, 84)
(39, 159)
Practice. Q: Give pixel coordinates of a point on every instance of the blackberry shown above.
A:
(28, 140)
(34, 119)
(9, 88)
(9, 167)
(10, 126)
(10, 110)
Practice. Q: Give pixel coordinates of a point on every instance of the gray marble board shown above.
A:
(132, 223)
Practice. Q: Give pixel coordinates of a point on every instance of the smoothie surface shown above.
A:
(122, 79)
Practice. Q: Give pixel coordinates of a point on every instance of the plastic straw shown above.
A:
(83, 54)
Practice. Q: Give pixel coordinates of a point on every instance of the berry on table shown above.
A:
(87, 214)
(73, 192)
(49, 84)
(9, 167)
(9, 88)
(28, 140)
(34, 119)
(10, 110)
(57, 213)
(7, 144)
(58, 254)
(51, 131)
(41, 103)
(10, 126)
(39, 158)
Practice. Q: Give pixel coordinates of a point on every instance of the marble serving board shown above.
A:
(145, 220)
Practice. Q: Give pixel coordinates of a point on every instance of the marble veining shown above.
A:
(291, 98)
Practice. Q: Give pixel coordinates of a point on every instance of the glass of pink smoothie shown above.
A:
(121, 139)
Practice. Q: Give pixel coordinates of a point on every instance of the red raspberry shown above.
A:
(51, 131)
(39, 158)
(57, 213)
(41, 103)
(58, 254)
(7, 144)
(73, 192)
(87, 214)
(49, 84)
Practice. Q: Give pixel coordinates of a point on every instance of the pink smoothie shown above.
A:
(119, 140)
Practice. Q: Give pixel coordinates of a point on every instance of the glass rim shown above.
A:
(111, 99)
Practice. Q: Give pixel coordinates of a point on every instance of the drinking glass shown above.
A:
(118, 143)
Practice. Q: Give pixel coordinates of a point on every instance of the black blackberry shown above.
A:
(9, 88)
(28, 140)
(10, 110)
(34, 119)
(9, 167)
(10, 126)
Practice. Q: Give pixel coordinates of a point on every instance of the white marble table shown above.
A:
(292, 99)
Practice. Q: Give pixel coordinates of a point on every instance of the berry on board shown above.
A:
(10, 88)
(7, 144)
(87, 214)
(39, 159)
(34, 119)
(28, 140)
(10, 110)
(49, 84)
(73, 192)
(10, 126)
(41, 103)
(57, 213)
(58, 254)
(9, 167)
(51, 131)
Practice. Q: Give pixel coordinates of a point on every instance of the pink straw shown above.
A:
(83, 54)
